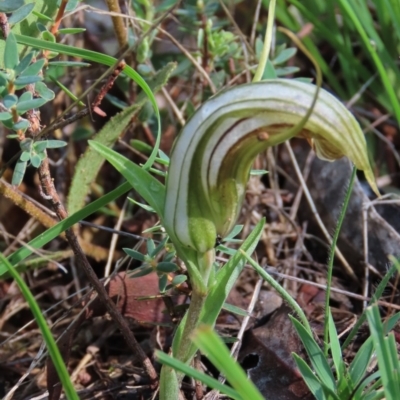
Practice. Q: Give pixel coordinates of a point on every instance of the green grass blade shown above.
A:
(152, 190)
(309, 378)
(50, 234)
(386, 354)
(332, 255)
(361, 361)
(317, 357)
(349, 10)
(393, 8)
(216, 351)
(378, 293)
(189, 371)
(45, 330)
(105, 60)
(90, 163)
(286, 296)
(335, 349)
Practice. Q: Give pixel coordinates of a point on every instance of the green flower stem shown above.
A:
(267, 43)
(332, 256)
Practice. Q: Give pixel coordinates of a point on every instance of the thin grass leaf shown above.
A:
(316, 356)
(309, 378)
(335, 348)
(194, 373)
(287, 297)
(385, 347)
(45, 330)
(18, 256)
(146, 185)
(349, 9)
(216, 351)
(378, 293)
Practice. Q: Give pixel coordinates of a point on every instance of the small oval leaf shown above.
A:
(19, 172)
(55, 144)
(179, 279)
(10, 100)
(134, 254)
(11, 58)
(43, 91)
(27, 80)
(4, 116)
(20, 14)
(24, 106)
(36, 161)
(34, 68)
(24, 63)
(25, 156)
(166, 267)
(22, 124)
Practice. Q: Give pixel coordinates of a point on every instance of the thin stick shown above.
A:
(311, 203)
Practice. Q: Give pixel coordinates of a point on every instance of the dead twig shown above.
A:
(51, 194)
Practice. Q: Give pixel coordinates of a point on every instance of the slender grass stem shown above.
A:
(267, 43)
(332, 256)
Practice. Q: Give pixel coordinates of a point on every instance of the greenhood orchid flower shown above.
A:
(212, 157)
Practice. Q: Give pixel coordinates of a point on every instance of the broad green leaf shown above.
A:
(48, 36)
(178, 280)
(90, 163)
(10, 100)
(284, 56)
